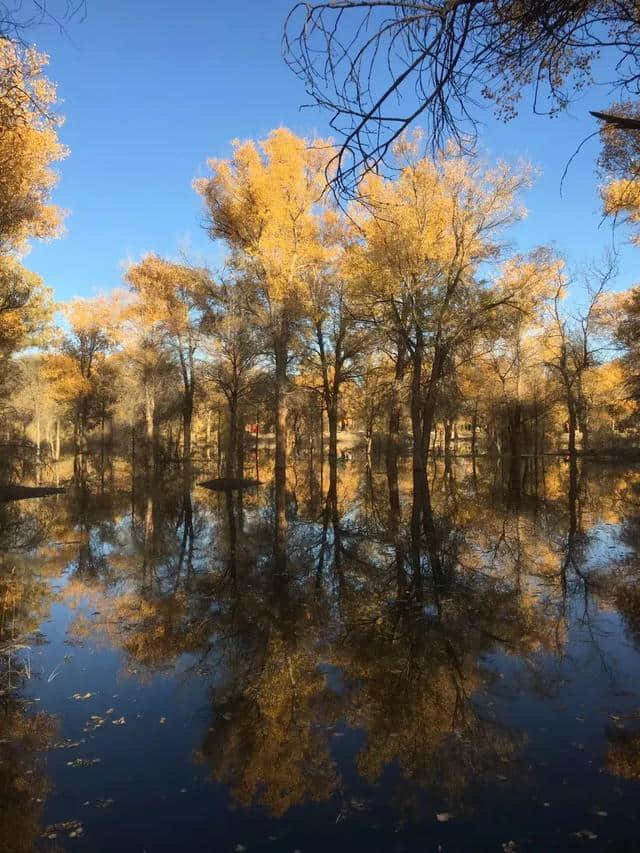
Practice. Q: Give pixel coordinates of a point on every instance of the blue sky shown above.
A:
(152, 88)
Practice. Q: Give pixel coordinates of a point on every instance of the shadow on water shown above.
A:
(370, 665)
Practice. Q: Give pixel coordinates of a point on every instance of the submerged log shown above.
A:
(223, 484)
(19, 493)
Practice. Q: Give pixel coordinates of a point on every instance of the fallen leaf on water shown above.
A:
(83, 762)
(601, 812)
(82, 697)
(585, 833)
(163, 720)
(443, 817)
(104, 804)
(73, 828)
(94, 722)
(108, 711)
(67, 743)
(119, 722)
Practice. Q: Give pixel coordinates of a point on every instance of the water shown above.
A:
(461, 679)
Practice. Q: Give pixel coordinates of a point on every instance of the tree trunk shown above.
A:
(571, 409)
(332, 417)
(133, 452)
(447, 437)
(233, 438)
(393, 433)
(149, 414)
(474, 428)
(38, 439)
(49, 439)
(219, 443)
(281, 353)
(240, 446)
(417, 424)
(187, 417)
(257, 451)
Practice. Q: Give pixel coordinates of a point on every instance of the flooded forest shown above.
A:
(326, 536)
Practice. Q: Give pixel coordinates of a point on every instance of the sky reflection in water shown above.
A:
(371, 688)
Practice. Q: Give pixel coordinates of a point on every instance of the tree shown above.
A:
(572, 349)
(337, 341)
(619, 164)
(234, 352)
(262, 202)
(361, 59)
(424, 237)
(18, 16)
(627, 334)
(168, 296)
(147, 362)
(25, 311)
(75, 371)
(29, 146)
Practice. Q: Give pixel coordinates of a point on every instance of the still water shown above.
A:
(383, 679)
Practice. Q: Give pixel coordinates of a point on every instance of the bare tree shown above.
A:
(574, 346)
(17, 16)
(378, 65)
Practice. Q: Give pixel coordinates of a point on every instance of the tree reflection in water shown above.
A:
(371, 608)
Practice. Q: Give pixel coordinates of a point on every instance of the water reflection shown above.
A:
(377, 652)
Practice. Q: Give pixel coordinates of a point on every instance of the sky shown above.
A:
(151, 89)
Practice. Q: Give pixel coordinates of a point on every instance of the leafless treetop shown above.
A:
(18, 16)
(378, 65)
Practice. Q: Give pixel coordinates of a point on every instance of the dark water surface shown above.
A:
(385, 679)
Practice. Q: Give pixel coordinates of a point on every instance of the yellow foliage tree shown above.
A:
(168, 293)
(29, 146)
(424, 236)
(263, 202)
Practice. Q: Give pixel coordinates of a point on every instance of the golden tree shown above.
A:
(263, 203)
(29, 146)
(424, 237)
(25, 310)
(168, 302)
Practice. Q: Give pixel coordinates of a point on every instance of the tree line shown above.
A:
(404, 315)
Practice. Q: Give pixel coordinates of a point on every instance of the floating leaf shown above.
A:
(67, 743)
(73, 828)
(83, 762)
(94, 722)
